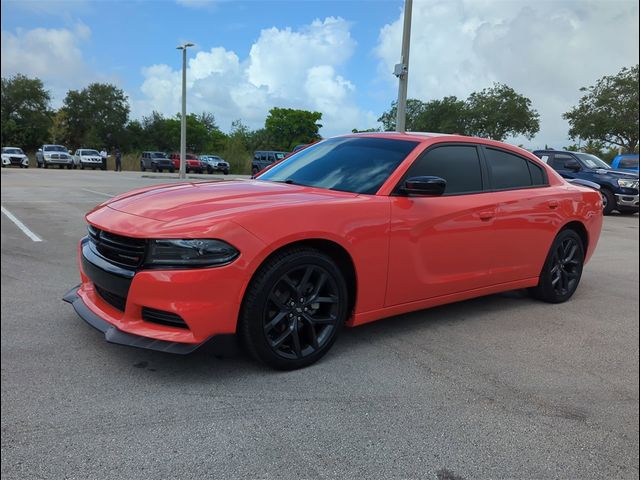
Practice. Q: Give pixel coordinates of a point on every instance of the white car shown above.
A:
(86, 157)
(14, 156)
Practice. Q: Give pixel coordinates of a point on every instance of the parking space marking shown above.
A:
(21, 225)
(97, 193)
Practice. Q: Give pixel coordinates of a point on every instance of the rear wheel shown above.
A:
(562, 269)
(294, 309)
(142, 167)
(628, 212)
(608, 201)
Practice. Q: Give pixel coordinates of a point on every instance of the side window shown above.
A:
(272, 158)
(538, 175)
(459, 165)
(507, 170)
(560, 160)
(629, 163)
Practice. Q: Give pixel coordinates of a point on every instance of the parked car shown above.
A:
(213, 163)
(54, 155)
(14, 156)
(619, 189)
(192, 163)
(627, 162)
(87, 157)
(263, 158)
(156, 162)
(348, 231)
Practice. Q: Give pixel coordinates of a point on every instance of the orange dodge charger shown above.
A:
(347, 231)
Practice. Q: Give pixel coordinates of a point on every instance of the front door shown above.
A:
(442, 245)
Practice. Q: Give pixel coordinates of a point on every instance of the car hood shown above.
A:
(616, 173)
(184, 201)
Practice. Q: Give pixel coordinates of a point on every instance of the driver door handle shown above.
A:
(553, 204)
(486, 215)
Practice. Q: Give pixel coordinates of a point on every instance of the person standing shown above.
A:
(103, 156)
(118, 160)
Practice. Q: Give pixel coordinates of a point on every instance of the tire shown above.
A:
(608, 201)
(81, 167)
(627, 212)
(280, 323)
(142, 167)
(209, 169)
(254, 170)
(226, 172)
(562, 269)
(154, 169)
(45, 165)
(103, 167)
(69, 167)
(172, 170)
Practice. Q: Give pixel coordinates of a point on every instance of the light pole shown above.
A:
(401, 70)
(183, 117)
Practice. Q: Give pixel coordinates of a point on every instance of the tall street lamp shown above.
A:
(401, 70)
(183, 118)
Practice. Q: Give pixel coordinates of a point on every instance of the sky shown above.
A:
(335, 57)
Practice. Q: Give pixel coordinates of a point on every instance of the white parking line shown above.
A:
(98, 193)
(21, 225)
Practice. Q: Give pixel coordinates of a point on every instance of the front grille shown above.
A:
(116, 301)
(15, 160)
(121, 250)
(162, 317)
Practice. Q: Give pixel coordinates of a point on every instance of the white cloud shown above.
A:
(545, 50)
(285, 68)
(53, 55)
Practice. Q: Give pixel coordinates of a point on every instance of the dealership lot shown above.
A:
(500, 387)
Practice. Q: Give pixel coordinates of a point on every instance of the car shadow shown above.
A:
(225, 358)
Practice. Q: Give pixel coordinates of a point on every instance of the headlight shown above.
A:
(47, 155)
(624, 183)
(190, 253)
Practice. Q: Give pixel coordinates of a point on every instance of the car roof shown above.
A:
(551, 150)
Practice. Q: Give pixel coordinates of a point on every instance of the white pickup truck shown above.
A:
(54, 155)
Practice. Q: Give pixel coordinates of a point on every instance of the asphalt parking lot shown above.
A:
(497, 387)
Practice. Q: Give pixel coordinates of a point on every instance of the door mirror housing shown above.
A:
(39, 149)
(572, 165)
(424, 186)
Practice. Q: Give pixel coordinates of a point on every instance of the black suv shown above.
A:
(619, 188)
(263, 158)
(156, 162)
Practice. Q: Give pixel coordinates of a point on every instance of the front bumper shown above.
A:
(624, 200)
(114, 335)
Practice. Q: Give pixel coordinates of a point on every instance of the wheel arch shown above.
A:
(334, 250)
(578, 227)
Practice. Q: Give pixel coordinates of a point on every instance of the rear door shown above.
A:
(527, 215)
(442, 245)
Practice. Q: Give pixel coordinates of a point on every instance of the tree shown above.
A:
(608, 112)
(97, 115)
(448, 115)
(25, 112)
(414, 109)
(289, 127)
(59, 130)
(499, 112)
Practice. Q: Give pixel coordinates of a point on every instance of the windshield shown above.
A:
(348, 164)
(90, 152)
(592, 161)
(55, 148)
(159, 155)
(12, 150)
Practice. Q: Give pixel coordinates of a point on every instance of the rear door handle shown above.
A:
(553, 204)
(488, 215)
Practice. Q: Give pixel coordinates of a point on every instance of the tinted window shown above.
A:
(629, 163)
(350, 164)
(538, 176)
(560, 160)
(459, 165)
(507, 170)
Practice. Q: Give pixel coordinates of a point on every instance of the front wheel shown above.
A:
(562, 269)
(628, 212)
(294, 308)
(142, 167)
(608, 202)
(254, 171)
(171, 170)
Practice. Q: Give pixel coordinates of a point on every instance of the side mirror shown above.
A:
(572, 165)
(39, 149)
(424, 186)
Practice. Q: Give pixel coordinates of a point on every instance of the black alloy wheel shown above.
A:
(562, 270)
(294, 309)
